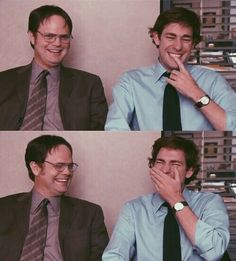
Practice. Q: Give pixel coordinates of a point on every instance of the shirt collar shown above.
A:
(158, 71)
(37, 69)
(157, 200)
(55, 72)
(38, 197)
(187, 194)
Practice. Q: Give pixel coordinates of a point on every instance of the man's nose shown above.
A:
(67, 171)
(57, 40)
(177, 44)
(166, 168)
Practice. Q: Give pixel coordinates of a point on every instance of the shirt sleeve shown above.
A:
(212, 229)
(121, 110)
(122, 242)
(225, 96)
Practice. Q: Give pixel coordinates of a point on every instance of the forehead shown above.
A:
(178, 29)
(169, 154)
(59, 152)
(54, 22)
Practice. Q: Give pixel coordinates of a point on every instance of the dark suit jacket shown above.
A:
(82, 232)
(82, 102)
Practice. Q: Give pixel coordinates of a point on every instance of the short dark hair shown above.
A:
(38, 15)
(178, 15)
(178, 143)
(38, 148)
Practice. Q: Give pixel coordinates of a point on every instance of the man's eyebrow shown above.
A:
(160, 159)
(176, 161)
(172, 161)
(187, 36)
(183, 36)
(171, 34)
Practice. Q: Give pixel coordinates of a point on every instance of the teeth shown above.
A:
(62, 180)
(55, 51)
(176, 55)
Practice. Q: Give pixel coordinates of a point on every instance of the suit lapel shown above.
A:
(16, 96)
(23, 83)
(22, 210)
(22, 91)
(65, 220)
(66, 85)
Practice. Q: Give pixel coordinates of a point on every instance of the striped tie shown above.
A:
(35, 241)
(36, 105)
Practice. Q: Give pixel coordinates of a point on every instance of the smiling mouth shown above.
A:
(175, 55)
(62, 180)
(55, 51)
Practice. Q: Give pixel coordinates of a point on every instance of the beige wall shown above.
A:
(110, 36)
(113, 166)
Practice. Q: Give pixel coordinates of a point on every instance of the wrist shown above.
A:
(179, 206)
(198, 95)
(203, 101)
(175, 200)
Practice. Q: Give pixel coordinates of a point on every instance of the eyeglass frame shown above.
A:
(63, 166)
(55, 36)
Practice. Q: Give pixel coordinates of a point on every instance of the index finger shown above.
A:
(179, 63)
(177, 174)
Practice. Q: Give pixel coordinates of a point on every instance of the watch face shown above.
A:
(205, 100)
(179, 206)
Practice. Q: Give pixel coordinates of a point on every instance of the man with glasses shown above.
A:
(69, 228)
(45, 95)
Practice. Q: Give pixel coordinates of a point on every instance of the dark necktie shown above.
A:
(171, 237)
(171, 108)
(36, 238)
(36, 105)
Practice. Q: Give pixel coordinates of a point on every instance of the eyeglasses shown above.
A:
(60, 167)
(50, 38)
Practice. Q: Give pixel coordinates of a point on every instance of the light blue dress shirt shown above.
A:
(138, 100)
(138, 234)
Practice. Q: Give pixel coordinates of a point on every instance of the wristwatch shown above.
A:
(179, 206)
(205, 100)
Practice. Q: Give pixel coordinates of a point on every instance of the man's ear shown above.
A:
(36, 169)
(31, 37)
(156, 38)
(189, 173)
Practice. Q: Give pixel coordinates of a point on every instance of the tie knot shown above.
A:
(42, 205)
(41, 80)
(44, 73)
(165, 204)
(44, 202)
(166, 74)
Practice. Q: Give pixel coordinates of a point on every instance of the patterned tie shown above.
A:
(171, 237)
(35, 241)
(171, 108)
(36, 105)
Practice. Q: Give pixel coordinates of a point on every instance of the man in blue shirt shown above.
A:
(207, 102)
(201, 216)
